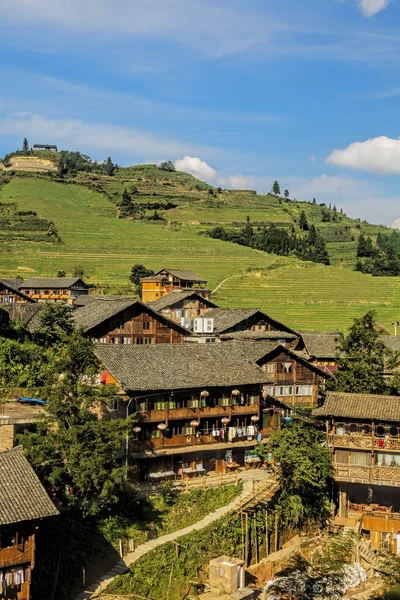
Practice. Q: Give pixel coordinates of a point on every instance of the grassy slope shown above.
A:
(305, 295)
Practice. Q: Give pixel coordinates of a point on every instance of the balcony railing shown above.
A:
(13, 556)
(375, 475)
(364, 442)
(153, 416)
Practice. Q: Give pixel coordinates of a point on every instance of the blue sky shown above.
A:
(238, 92)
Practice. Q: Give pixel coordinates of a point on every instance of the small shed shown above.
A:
(227, 573)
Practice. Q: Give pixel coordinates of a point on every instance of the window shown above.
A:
(221, 572)
(194, 403)
(270, 368)
(366, 429)
(342, 457)
(284, 390)
(303, 390)
(160, 405)
(269, 389)
(146, 325)
(138, 340)
(178, 314)
(126, 340)
(147, 340)
(46, 292)
(172, 404)
(361, 459)
(114, 404)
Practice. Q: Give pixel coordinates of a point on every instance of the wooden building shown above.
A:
(363, 435)
(165, 281)
(16, 417)
(200, 407)
(23, 503)
(292, 380)
(320, 348)
(54, 289)
(10, 294)
(182, 305)
(126, 320)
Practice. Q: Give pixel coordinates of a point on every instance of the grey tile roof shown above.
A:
(226, 318)
(256, 350)
(12, 286)
(27, 314)
(185, 275)
(392, 342)
(176, 296)
(53, 282)
(360, 406)
(22, 496)
(104, 308)
(178, 366)
(258, 335)
(320, 344)
(14, 282)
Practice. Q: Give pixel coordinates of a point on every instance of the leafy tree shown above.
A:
(361, 355)
(314, 201)
(286, 194)
(312, 235)
(55, 325)
(167, 165)
(276, 189)
(303, 223)
(61, 273)
(78, 271)
(306, 470)
(137, 273)
(25, 145)
(76, 455)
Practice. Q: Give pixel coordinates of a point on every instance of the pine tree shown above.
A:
(303, 223)
(361, 247)
(109, 167)
(25, 145)
(276, 189)
(286, 194)
(312, 235)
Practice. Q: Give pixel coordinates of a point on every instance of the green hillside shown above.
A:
(85, 216)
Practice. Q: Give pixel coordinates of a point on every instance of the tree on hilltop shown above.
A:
(167, 165)
(137, 273)
(303, 223)
(286, 194)
(25, 145)
(276, 190)
(109, 167)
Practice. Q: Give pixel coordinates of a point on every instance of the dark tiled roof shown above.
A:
(154, 278)
(104, 308)
(178, 366)
(185, 275)
(53, 282)
(176, 296)
(360, 406)
(27, 314)
(258, 335)
(320, 345)
(14, 283)
(256, 350)
(226, 318)
(22, 496)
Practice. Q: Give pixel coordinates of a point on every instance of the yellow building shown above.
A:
(166, 281)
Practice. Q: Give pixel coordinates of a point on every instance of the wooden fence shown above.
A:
(187, 485)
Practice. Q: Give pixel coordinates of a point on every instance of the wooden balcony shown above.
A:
(376, 475)
(173, 414)
(363, 442)
(13, 556)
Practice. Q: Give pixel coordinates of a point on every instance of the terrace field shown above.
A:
(84, 212)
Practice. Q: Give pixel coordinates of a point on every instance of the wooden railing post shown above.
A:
(237, 477)
(187, 485)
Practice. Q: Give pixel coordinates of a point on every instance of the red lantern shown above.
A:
(161, 426)
(255, 418)
(194, 423)
(225, 421)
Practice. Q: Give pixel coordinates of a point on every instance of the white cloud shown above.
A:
(195, 166)
(76, 134)
(377, 155)
(396, 224)
(22, 113)
(373, 7)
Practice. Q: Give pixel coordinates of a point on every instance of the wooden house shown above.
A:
(363, 435)
(10, 294)
(54, 289)
(23, 503)
(199, 407)
(291, 379)
(320, 348)
(249, 323)
(165, 281)
(181, 305)
(16, 417)
(126, 320)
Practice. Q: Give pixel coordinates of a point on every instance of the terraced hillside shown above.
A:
(85, 214)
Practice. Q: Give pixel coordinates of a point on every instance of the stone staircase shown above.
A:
(251, 489)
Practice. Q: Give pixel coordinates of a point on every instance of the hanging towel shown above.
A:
(231, 433)
(259, 437)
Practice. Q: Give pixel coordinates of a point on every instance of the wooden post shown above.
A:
(266, 533)
(237, 477)
(255, 534)
(246, 544)
(242, 529)
(276, 533)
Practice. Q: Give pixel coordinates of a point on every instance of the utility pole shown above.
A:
(395, 323)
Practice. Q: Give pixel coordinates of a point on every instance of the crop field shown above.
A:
(305, 295)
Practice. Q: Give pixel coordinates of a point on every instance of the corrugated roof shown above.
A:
(53, 282)
(178, 366)
(104, 308)
(176, 296)
(181, 274)
(226, 318)
(360, 406)
(320, 344)
(22, 496)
